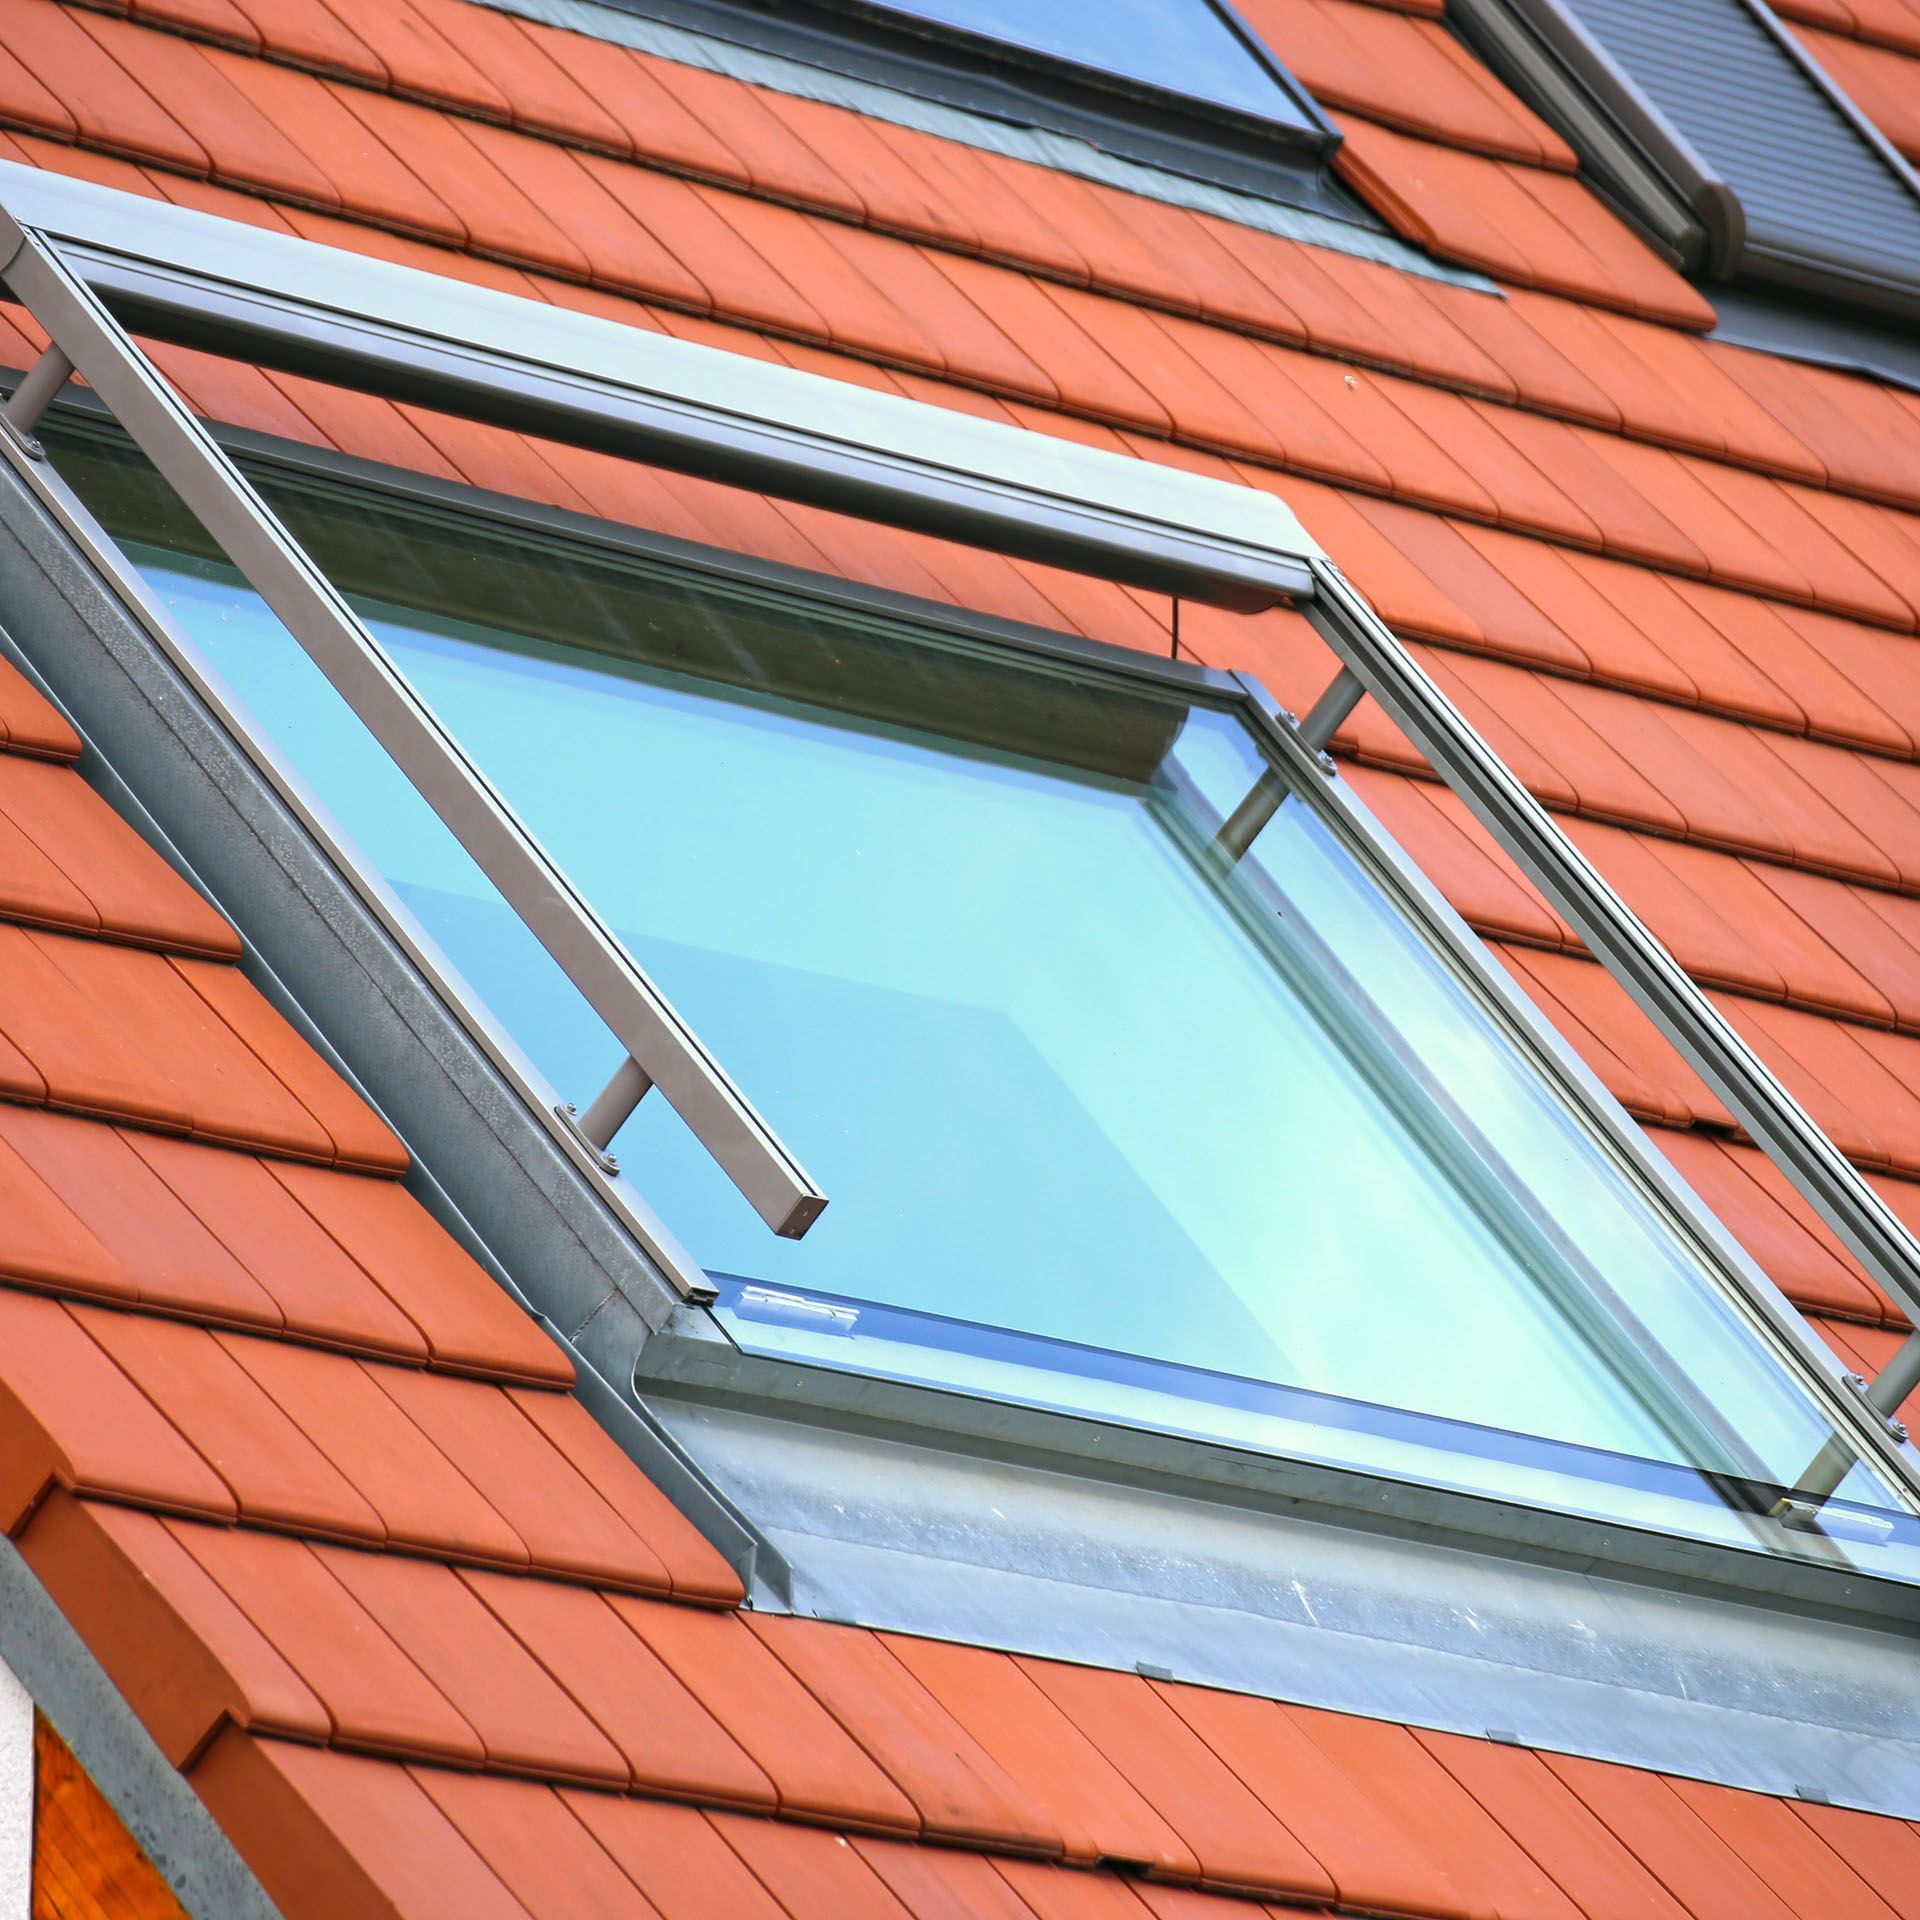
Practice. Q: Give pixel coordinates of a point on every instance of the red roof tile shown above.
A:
(819, 1771)
(1406, 71)
(1692, 564)
(182, 1649)
(1878, 80)
(959, 1790)
(670, 1742)
(1102, 1816)
(336, 1833)
(1517, 223)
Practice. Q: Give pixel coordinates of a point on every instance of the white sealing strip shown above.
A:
(16, 1798)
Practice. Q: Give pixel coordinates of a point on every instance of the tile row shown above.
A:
(877, 1735)
(1762, 929)
(328, 1829)
(183, 1045)
(67, 861)
(1857, 1082)
(131, 1217)
(272, 1433)
(1523, 224)
(1405, 71)
(403, 165)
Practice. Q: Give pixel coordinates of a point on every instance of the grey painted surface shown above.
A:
(1823, 198)
(884, 1530)
(160, 1810)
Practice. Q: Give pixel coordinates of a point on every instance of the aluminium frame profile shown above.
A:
(500, 357)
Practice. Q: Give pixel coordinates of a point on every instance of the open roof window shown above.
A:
(1139, 1093)
(1710, 124)
(1151, 1084)
(1177, 84)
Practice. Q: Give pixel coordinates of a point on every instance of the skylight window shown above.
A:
(1182, 86)
(1153, 1084)
(1139, 1096)
(1190, 47)
(1710, 124)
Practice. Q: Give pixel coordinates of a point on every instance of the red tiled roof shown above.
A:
(316, 1492)
(1870, 48)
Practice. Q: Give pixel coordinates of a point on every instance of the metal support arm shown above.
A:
(667, 1052)
(1775, 1120)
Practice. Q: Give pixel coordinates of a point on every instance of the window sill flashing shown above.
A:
(932, 1513)
(692, 1358)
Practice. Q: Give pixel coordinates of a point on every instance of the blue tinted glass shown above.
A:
(1119, 1111)
(1182, 46)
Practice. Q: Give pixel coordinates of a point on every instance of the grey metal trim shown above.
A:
(665, 1049)
(171, 1822)
(999, 1538)
(183, 275)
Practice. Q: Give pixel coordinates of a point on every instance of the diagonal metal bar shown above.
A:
(660, 1043)
(1775, 1120)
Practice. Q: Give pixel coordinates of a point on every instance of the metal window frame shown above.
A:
(67, 248)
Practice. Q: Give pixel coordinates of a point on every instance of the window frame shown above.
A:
(66, 245)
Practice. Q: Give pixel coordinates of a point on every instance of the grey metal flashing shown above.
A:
(171, 1822)
(1002, 1544)
(1722, 136)
(1016, 140)
(1816, 333)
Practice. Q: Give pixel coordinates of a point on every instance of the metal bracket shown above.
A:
(569, 1117)
(31, 398)
(1875, 1396)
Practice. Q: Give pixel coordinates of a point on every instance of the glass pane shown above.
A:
(1178, 46)
(1134, 1094)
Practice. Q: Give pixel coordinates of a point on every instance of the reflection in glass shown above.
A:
(1133, 1092)
(1182, 46)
